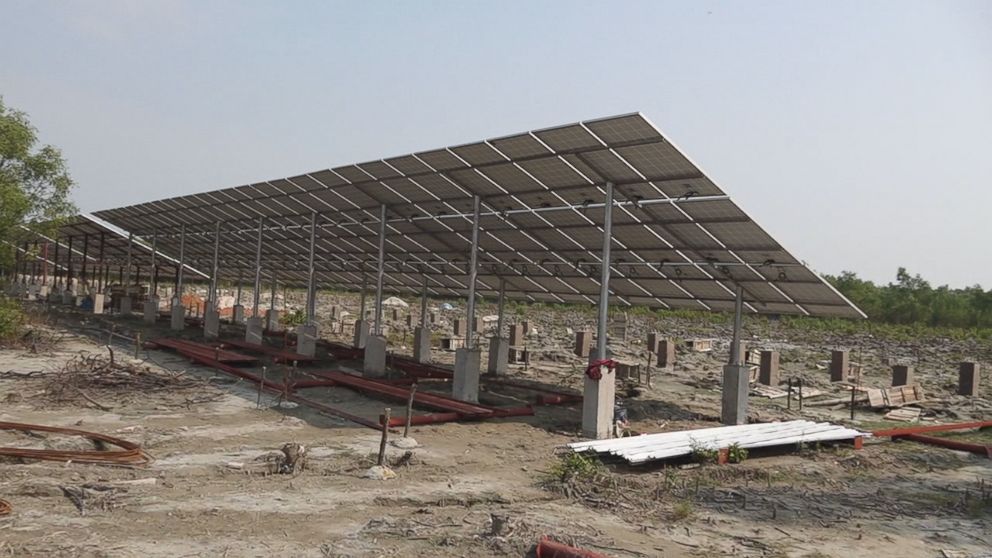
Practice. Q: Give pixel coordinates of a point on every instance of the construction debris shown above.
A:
(132, 454)
(904, 415)
(668, 445)
(894, 396)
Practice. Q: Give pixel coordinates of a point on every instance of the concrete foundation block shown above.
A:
(735, 391)
(306, 340)
(126, 305)
(422, 345)
(465, 384)
(272, 320)
(151, 310)
(211, 323)
(375, 357)
(499, 356)
(98, 302)
(361, 334)
(968, 376)
(598, 397)
(516, 335)
(583, 343)
(177, 319)
(768, 371)
(839, 364)
(43, 291)
(902, 375)
(666, 353)
(254, 330)
(238, 314)
(68, 298)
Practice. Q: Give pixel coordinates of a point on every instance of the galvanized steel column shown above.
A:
(69, 269)
(604, 280)
(182, 262)
(423, 305)
(312, 279)
(361, 304)
(154, 264)
(215, 269)
(130, 243)
(380, 272)
(735, 345)
(56, 276)
(473, 272)
(258, 268)
(501, 305)
(86, 247)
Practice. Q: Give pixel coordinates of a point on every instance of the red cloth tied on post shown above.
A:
(593, 370)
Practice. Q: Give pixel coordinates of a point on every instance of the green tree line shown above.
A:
(911, 300)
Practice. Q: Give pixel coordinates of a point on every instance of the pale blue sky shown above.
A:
(857, 133)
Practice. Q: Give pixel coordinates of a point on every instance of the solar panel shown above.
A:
(678, 239)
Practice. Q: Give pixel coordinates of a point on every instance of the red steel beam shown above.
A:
(547, 548)
(959, 445)
(897, 432)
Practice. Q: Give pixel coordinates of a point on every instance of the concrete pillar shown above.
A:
(598, 397)
(583, 343)
(666, 354)
(178, 317)
(735, 391)
(499, 355)
(361, 334)
(255, 330)
(151, 310)
(516, 335)
(238, 315)
(272, 320)
(211, 322)
(902, 375)
(968, 376)
(465, 385)
(838, 365)
(768, 372)
(458, 328)
(653, 341)
(375, 357)
(98, 302)
(306, 340)
(126, 305)
(421, 345)
(43, 291)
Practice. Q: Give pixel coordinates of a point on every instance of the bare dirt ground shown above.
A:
(211, 492)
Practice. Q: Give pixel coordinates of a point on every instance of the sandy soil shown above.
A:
(210, 494)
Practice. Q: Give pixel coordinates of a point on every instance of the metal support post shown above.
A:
(82, 273)
(501, 305)
(361, 304)
(215, 269)
(473, 271)
(55, 272)
(423, 306)
(154, 289)
(381, 270)
(598, 394)
(68, 271)
(258, 269)
(182, 262)
(312, 277)
(130, 244)
(100, 279)
(735, 346)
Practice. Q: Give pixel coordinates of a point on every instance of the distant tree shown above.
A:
(912, 300)
(34, 182)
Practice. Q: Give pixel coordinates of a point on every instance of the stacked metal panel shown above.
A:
(668, 445)
(678, 240)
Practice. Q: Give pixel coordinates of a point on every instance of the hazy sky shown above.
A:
(859, 134)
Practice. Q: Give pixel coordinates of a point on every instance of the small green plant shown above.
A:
(574, 466)
(683, 510)
(702, 454)
(294, 318)
(12, 319)
(736, 454)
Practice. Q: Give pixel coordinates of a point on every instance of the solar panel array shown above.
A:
(678, 240)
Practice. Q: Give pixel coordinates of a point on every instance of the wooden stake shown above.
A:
(385, 435)
(261, 385)
(137, 345)
(409, 410)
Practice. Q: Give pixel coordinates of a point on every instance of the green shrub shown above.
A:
(574, 466)
(12, 319)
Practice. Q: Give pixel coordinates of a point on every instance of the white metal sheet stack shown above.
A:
(666, 445)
